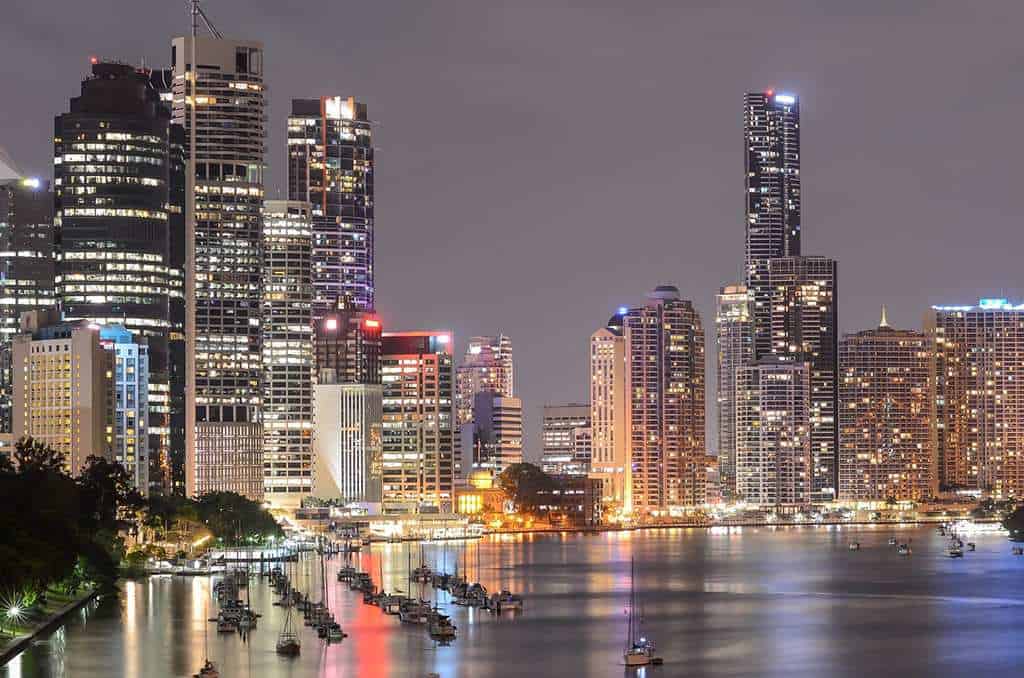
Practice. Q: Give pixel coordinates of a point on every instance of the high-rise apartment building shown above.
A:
(62, 387)
(117, 225)
(287, 344)
(330, 165)
(497, 431)
(979, 395)
(771, 136)
(886, 450)
(26, 265)
(487, 366)
(804, 328)
(609, 414)
(419, 420)
(564, 440)
(773, 441)
(130, 411)
(734, 336)
(218, 97)
(665, 380)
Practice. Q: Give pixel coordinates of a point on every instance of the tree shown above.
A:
(1014, 523)
(233, 518)
(106, 490)
(523, 483)
(35, 456)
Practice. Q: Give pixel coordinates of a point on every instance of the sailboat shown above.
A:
(209, 669)
(639, 651)
(288, 640)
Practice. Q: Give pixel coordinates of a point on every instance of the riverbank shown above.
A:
(596, 529)
(56, 609)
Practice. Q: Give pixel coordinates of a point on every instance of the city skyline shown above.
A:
(907, 182)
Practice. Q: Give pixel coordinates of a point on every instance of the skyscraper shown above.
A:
(287, 353)
(561, 435)
(609, 414)
(117, 177)
(497, 432)
(979, 395)
(734, 337)
(886, 448)
(665, 380)
(26, 265)
(419, 420)
(487, 366)
(771, 135)
(224, 118)
(330, 165)
(804, 328)
(773, 442)
(26, 250)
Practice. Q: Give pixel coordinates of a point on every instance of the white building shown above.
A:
(609, 414)
(347, 441)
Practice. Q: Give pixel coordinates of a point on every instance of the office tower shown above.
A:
(26, 250)
(563, 433)
(665, 380)
(130, 413)
(804, 327)
(487, 366)
(771, 136)
(419, 420)
(224, 120)
(979, 395)
(497, 431)
(26, 265)
(886, 449)
(62, 387)
(117, 181)
(609, 414)
(330, 165)
(773, 441)
(347, 440)
(348, 344)
(735, 340)
(287, 353)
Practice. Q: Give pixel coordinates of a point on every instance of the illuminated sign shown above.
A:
(785, 99)
(332, 323)
(372, 323)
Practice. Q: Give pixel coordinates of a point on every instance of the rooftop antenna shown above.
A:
(885, 321)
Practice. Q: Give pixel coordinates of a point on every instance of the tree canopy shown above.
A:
(522, 484)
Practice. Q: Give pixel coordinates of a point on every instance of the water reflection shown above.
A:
(734, 602)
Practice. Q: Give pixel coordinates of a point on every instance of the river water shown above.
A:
(740, 602)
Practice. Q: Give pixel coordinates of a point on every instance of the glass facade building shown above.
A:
(771, 136)
(330, 165)
(117, 192)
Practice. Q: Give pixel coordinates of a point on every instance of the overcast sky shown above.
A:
(542, 163)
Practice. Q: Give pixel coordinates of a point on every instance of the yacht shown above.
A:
(956, 552)
(855, 546)
(904, 550)
(639, 651)
(208, 671)
(440, 626)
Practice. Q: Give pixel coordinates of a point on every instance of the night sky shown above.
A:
(542, 164)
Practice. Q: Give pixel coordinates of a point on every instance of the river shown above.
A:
(740, 602)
